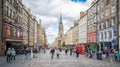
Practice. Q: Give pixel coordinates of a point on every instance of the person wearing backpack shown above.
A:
(57, 53)
(119, 55)
(13, 53)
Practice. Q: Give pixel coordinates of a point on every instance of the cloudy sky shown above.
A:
(49, 11)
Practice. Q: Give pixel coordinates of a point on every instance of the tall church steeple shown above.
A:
(60, 32)
(60, 18)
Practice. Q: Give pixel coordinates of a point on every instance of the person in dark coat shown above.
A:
(8, 55)
(52, 51)
(66, 50)
(77, 53)
(70, 51)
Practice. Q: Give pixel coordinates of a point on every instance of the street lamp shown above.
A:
(117, 20)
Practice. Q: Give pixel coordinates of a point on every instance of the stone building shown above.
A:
(13, 32)
(107, 25)
(41, 35)
(18, 26)
(83, 29)
(69, 37)
(92, 25)
(75, 35)
(35, 32)
(25, 25)
(55, 43)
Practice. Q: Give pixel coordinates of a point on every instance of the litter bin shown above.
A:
(111, 57)
(99, 56)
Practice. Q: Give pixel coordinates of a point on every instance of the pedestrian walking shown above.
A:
(90, 53)
(44, 50)
(74, 51)
(13, 53)
(26, 54)
(77, 53)
(57, 53)
(52, 51)
(107, 52)
(8, 54)
(112, 55)
(119, 55)
(66, 50)
(31, 54)
(70, 51)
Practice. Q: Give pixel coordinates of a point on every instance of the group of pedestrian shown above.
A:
(72, 51)
(54, 51)
(112, 54)
(11, 53)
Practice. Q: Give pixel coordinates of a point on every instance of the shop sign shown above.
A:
(12, 40)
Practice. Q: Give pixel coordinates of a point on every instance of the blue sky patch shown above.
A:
(79, 0)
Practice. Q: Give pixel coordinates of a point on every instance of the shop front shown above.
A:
(13, 36)
(92, 42)
(108, 38)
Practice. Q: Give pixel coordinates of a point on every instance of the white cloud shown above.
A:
(47, 20)
(49, 10)
(51, 33)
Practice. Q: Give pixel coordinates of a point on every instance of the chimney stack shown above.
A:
(82, 14)
(29, 10)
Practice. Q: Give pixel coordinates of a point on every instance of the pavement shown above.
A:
(44, 60)
(17, 63)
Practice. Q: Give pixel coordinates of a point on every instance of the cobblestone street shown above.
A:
(44, 60)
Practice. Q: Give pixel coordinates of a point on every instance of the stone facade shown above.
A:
(25, 25)
(1, 27)
(75, 34)
(41, 35)
(107, 25)
(83, 30)
(19, 28)
(13, 32)
(69, 37)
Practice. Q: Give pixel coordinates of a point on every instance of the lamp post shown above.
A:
(28, 30)
(117, 20)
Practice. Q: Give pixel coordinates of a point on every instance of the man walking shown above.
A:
(70, 51)
(77, 53)
(52, 51)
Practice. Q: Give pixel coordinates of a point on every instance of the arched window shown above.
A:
(8, 32)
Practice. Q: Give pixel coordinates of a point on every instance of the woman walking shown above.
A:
(13, 53)
(8, 55)
(57, 53)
